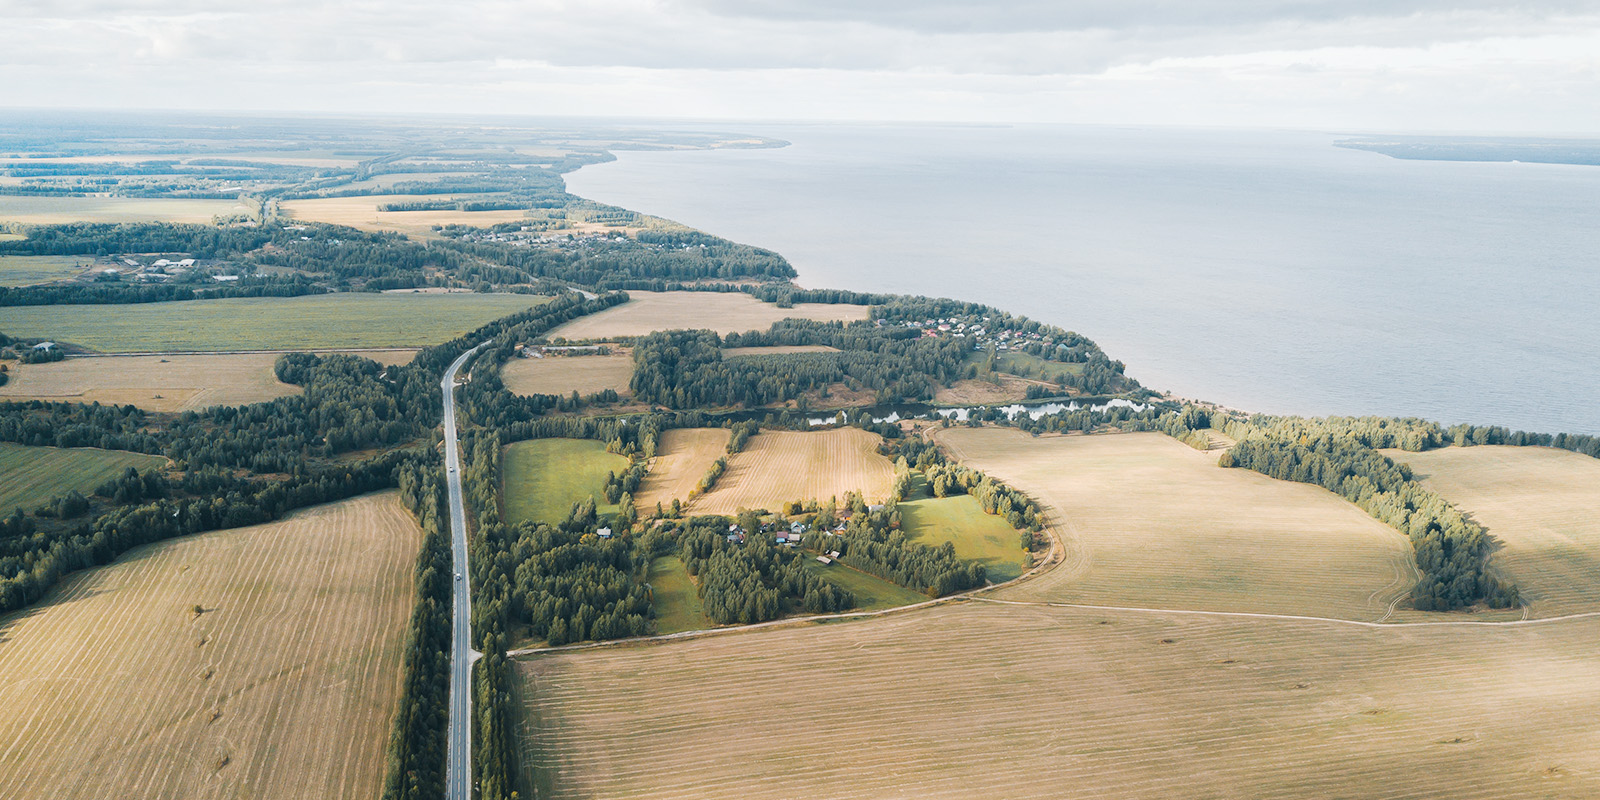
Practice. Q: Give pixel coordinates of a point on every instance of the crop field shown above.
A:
(34, 210)
(1542, 504)
(30, 476)
(351, 320)
(977, 536)
(778, 466)
(565, 374)
(285, 686)
(1149, 522)
(28, 270)
(723, 312)
(544, 477)
(154, 383)
(986, 700)
(362, 213)
(872, 593)
(682, 456)
(675, 598)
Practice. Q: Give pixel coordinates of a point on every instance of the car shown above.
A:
(458, 576)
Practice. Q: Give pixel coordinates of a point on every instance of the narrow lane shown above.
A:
(458, 774)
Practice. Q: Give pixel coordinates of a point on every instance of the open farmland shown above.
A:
(1150, 522)
(27, 270)
(544, 477)
(362, 213)
(987, 700)
(1541, 504)
(723, 312)
(682, 456)
(284, 687)
(778, 466)
(36, 210)
(30, 476)
(347, 320)
(567, 374)
(154, 383)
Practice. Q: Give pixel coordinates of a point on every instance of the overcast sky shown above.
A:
(1474, 65)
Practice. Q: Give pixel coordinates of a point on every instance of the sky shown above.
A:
(1398, 65)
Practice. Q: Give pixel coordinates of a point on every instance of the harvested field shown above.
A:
(988, 700)
(154, 383)
(1542, 504)
(981, 392)
(723, 312)
(28, 270)
(285, 687)
(542, 478)
(30, 476)
(1150, 522)
(362, 213)
(565, 374)
(35, 210)
(347, 320)
(778, 466)
(777, 350)
(682, 456)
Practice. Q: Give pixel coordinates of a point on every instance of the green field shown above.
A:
(977, 536)
(27, 270)
(544, 477)
(30, 476)
(872, 593)
(676, 601)
(268, 323)
(1027, 366)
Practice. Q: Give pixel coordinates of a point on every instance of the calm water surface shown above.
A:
(1267, 270)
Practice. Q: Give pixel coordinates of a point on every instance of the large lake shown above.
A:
(1269, 271)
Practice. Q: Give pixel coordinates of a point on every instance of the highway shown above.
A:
(458, 772)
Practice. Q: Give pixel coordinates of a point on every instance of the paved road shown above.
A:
(458, 775)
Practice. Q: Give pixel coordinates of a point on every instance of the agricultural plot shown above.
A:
(682, 456)
(872, 593)
(1540, 504)
(35, 210)
(31, 476)
(564, 375)
(154, 383)
(986, 700)
(348, 320)
(675, 598)
(723, 312)
(544, 477)
(284, 686)
(977, 536)
(362, 213)
(778, 466)
(1149, 522)
(28, 270)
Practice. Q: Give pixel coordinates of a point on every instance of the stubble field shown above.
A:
(362, 213)
(723, 312)
(1542, 504)
(989, 700)
(33, 475)
(682, 456)
(565, 374)
(1150, 522)
(778, 466)
(346, 320)
(284, 687)
(154, 383)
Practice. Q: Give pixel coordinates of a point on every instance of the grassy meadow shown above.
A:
(542, 478)
(266, 323)
(30, 476)
(675, 598)
(1148, 521)
(28, 270)
(284, 686)
(977, 536)
(37, 210)
(872, 593)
